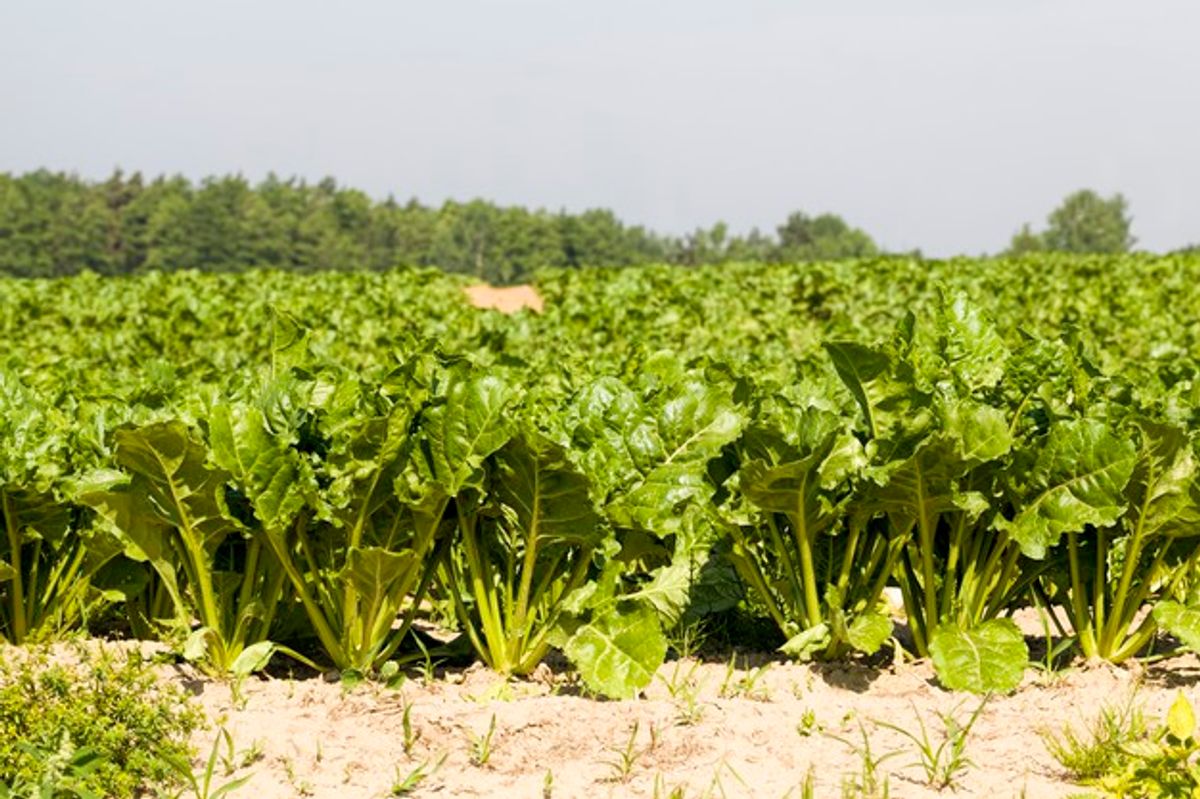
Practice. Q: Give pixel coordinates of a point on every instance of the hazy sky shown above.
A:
(942, 126)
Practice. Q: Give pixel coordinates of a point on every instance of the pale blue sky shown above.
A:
(944, 125)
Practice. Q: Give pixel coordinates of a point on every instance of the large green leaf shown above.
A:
(1164, 494)
(548, 496)
(136, 522)
(618, 652)
(170, 467)
(267, 470)
(869, 631)
(1078, 479)
(969, 346)
(988, 657)
(672, 453)
(375, 572)
(471, 423)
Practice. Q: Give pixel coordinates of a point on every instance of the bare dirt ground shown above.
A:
(508, 299)
(699, 728)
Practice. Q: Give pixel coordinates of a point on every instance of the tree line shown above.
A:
(54, 223)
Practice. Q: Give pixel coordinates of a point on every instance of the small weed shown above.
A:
(944, 761)
(1163, 763)
(391, 676)
(1099, 749)
(200, 784)
(865, 783)
(301, 786)
(808, 788)
(64, 767)
(109, 707)
(405, 783)
(548, 785)
(625, 757)
(1051, 663)
(688, 638)
(428, 664)
(252, 754)
(680, 680)
(411, 735)
(685, 691)
(853, 788)
(688, 709)
(808, 724)
(661, 791)
(746, 685)
(481, 745)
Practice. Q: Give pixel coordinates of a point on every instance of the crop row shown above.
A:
(303, 506)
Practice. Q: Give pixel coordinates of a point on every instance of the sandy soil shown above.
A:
(505, 299)
(698, 727)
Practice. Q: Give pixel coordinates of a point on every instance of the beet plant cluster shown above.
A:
(269, 465)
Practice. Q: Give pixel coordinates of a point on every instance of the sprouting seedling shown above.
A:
(405, 783)
(661, 791)
(625, 757)
(726, 690)
(411, 735)
(808, 723)
(548, 785)
(1049, 665)
(481, 745)
(942, 762)
(200, 784)
(866, 783)
(808, 788)
(428, 664)
(679, 680)
(745, 685)
(685, 691)
(688, 709)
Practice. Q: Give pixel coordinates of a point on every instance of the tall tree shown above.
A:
(1084, 222)
(821, 238)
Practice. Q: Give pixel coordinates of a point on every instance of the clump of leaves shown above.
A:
(1089, 754)
(1162, 763)
(131, 727)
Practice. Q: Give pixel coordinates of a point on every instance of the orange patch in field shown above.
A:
(508, 299)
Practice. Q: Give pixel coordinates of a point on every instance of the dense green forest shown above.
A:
(54, 224)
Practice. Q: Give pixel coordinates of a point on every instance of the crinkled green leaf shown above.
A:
(1078, 479)
(988, 657)
(673, 453)
(806, 644)
(618, 652)
(267, 470)
(253, 658)
(869, 631)
(548, 496)
(471, 424)
(969, 344)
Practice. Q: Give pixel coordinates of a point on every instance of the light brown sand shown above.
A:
(508, 299)
(317, 739)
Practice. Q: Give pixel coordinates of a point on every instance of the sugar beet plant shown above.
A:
(519, 557)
